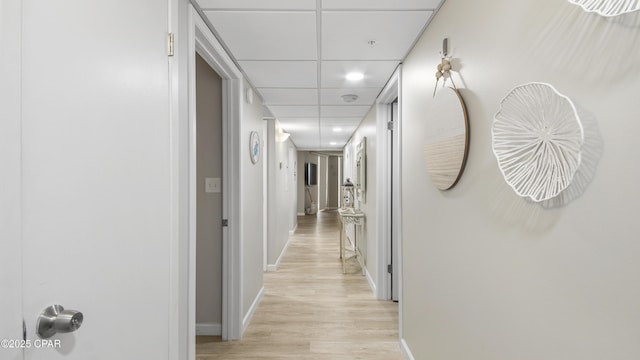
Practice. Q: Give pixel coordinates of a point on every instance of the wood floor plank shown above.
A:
(311, 310)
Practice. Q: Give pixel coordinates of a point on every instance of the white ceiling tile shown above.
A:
(329, 136)
(305, 139)
(257, 4)
(293, 111)
(346, 123)
(333, 96)
(344, 111)
(297, 125)
(345, 34)
(289, 96)
(381, 4)
(267, 35)
(282, 74)
(376, 73)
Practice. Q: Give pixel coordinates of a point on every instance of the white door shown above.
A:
(10, 259)
(95, 165)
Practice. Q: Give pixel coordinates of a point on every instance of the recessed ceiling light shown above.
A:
(337, 129)
(355, 76)
(333, 143)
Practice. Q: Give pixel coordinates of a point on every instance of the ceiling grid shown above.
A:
(297, 54)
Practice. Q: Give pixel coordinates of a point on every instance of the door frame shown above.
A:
(192, 35)
(388, 95)
(204, 43)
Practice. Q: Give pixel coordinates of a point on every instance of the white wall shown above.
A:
(487, 275)
(323, 165)
(252, 178)
(368, 243)
(282, 193)
(292, 185)
(332, 183)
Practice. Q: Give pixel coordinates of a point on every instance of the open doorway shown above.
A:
(388, 191)
(209, 197)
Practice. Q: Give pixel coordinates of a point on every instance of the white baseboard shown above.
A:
(301, 214)
(293, 231)
(208, 329)
(252, 309)
(274, 267)
(406, 351)
(372, 283)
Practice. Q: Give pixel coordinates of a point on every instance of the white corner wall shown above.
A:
(282, 193)
(487, 275)
(252, 239)
(369, 244)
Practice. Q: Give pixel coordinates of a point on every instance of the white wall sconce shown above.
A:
(282, 136)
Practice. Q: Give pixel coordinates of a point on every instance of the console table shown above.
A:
(356, 218)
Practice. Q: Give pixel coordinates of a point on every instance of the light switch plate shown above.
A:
(212, 185)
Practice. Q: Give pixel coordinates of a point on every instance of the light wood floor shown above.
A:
(311, 310)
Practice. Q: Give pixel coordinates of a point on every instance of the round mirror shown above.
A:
(447, 138)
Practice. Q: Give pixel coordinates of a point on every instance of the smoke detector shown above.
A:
(349, 98)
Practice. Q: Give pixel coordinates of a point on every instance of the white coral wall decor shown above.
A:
(608, 7)
(537, 139)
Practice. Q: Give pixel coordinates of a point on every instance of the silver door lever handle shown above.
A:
(55, 319)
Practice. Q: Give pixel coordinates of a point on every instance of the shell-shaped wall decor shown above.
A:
(537, 139)
(447, 138)
(608, 7)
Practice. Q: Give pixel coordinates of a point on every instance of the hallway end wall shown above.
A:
(486, 274)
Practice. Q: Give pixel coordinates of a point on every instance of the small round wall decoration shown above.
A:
(254, 146)
(537, 139)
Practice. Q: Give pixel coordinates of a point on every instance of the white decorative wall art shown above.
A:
(537, 139)
(608, 7)
(254, 147)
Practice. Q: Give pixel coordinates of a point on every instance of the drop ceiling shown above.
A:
(297, 53)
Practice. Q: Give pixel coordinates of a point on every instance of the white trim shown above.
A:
(301, 214)
(274, 267)
(181, 340)
(399, 209)
(405, 350)
(390, 92)
(265, 196)
(293, 231)
(202, 40)
(252, 309)
(208, 329)
(372, 283)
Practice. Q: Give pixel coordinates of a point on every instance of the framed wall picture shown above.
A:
(361, 170)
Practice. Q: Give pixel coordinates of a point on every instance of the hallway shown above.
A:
(311, 310)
